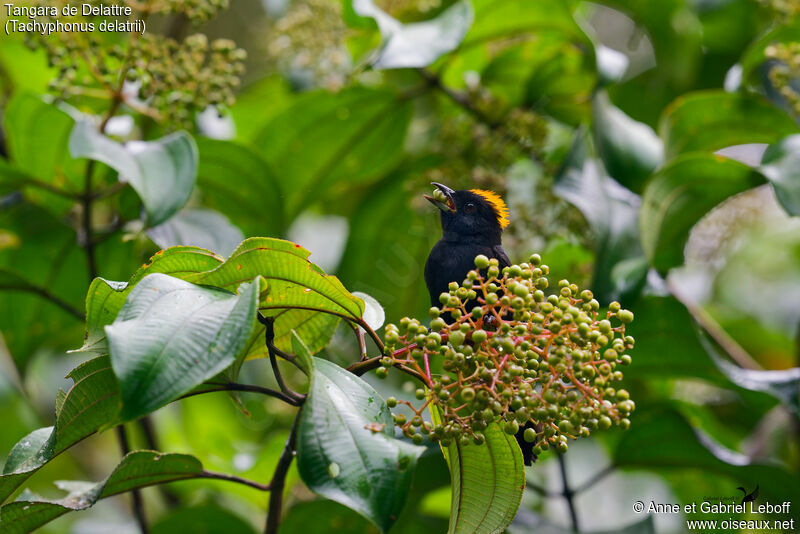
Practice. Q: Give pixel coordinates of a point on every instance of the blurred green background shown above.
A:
(628, 138)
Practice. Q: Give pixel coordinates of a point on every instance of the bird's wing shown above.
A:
(755, 492)
(501, 255)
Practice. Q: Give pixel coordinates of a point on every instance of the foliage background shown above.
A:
(325, 149)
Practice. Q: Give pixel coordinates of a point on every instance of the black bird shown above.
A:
(472, 223)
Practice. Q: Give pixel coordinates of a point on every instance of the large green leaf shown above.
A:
(782, 384)
(300, 295)
(91, 403)
(679, 195)
(346, 450)
(781, 166)
(351, 137)
(105, 298)
(235, 180)
(202, 519)
(549, 72)
(487, 483)
(162, 172)
(710, 120)
(37, 135)
(171, 336)
(199, 227)
(137, 470)
(612, 212)
(416, 44)
(630, 150)
(512, 18)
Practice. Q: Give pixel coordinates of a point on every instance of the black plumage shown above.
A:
(472, 224)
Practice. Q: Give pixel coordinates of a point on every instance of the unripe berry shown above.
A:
(481, 262)
(625, 316)
(381, 372)
(529, 435)
(391, 402)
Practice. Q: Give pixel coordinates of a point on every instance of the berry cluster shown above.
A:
(510, 354)
(168, 80)
(785, 69)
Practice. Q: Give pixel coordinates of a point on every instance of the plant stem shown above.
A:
(278, 481)
(88, 239)
(136, 495)
(238, 480)
(568, 493)
(233, 386)
(44, 293)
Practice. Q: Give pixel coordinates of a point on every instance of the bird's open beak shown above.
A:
(442, 198)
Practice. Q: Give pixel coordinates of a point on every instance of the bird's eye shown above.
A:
(470, 208)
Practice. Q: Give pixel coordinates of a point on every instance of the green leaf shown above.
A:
(497, 20)
(417, 44)
(781, 166)
(662, 438)
(199, 227)
(349, 138)
(630, 150)
(784, 384)
(487, 483)
(37, 136)
(711, 120)
(105, 298)
(238, 182)
(91, 403)
(679, 195)
(202, 519)
(162, 172)
(137, 470)
(550, 73)
(664, 322)
(346, 450)
(300, 295)
(613, 213)
(171, 336)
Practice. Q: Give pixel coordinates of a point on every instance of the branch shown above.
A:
(568, 493)
(33, 182)
(238, 480)
(233, 386)
(597, 477)
(45, 294)
(459, 98)
(278, 481)
(136, 495)
(269, 338)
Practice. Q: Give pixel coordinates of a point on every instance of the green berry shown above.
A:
(529, 435)
(481, 262)
(391, 402)
(626, 316)
(381, 372)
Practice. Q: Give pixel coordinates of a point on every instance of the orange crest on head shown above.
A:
(497, 204)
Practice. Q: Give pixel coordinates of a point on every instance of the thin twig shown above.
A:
(269, 338)
(33, 182)
(362, 367)
(47, 295)
(597, 477)
(238, 480)
(136, 495)
(279, 480)
(459, 98)
(86, 203)
(568, 493)
(233, 386)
